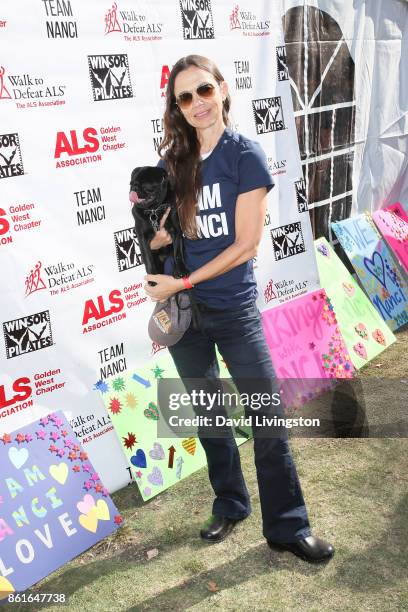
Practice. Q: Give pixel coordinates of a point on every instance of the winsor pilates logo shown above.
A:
(287, 240)
(110, 78)
(268, 115)
(197, 19)
(282, 64)
(301, 196)
(128, 254)
(27, 334)
(11, 163)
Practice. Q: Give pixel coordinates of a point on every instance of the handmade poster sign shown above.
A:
(156, 463)
(305, 342)
(373, 262)
(398, 209)
(364, 331)
(393, 225)
(53, 505)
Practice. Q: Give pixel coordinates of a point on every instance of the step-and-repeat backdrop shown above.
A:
(82, 89)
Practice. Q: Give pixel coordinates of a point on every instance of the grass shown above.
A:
(357, 496)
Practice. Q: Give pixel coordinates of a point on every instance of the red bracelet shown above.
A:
(187, 282)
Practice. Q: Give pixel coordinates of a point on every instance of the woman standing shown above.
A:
(221, 180)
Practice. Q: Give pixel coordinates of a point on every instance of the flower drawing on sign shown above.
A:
(361, 330)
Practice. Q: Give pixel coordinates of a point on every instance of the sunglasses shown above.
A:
(204, 91)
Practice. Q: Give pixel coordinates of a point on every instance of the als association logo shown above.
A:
(27, 334)
(110, 78)
(164, 79)
(268, 115)
(11, 163)
(17, 222)
(104, 312)
(72, 146)
(269, 292)
(287, 240)
(282, 64)
(197, 19)
(16, 398)
(128, 253)
(301, 196)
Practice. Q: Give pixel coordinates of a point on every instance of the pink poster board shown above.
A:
(392, 222)
(305, 342)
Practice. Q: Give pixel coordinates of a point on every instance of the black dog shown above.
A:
(151, 195)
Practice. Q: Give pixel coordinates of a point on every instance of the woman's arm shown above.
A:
(249, 222)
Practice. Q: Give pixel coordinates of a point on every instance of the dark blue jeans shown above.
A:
(240, 339)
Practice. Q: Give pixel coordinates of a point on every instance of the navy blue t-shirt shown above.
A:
(236, 165)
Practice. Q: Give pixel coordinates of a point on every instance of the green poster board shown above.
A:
(364, 332)
(131, 402)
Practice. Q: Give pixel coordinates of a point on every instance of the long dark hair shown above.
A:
(180, 147)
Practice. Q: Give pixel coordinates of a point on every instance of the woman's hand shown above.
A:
(166, 286)
(162, 237)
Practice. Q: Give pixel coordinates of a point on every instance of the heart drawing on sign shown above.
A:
(89, 521)
(376, 267)
(157, 451)
(360, 349)
(139, 459)
(59, 472)
(18, 456)
(86, 504)
(5, 588)
(155, 477)
(349, 289)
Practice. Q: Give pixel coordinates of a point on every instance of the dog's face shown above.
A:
(148, 186)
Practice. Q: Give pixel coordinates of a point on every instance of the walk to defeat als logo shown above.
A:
(197, 19)
(110, 78)
(11, 163)
(30, 91)
(287, 240)
(268, 115)
(134, 25)
(301, 196)
(128, 253)
(27, 334)
(248, 23)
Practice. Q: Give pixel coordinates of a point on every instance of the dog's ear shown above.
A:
(135, 174)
